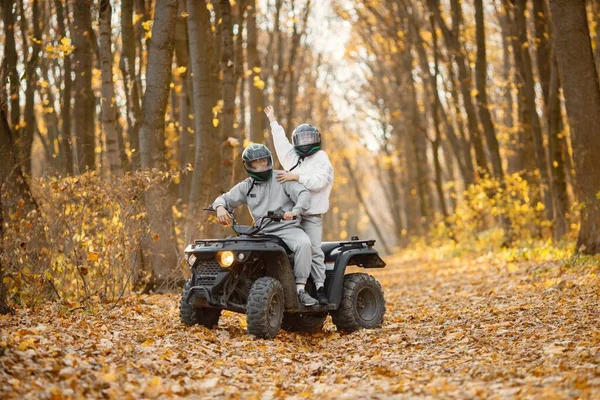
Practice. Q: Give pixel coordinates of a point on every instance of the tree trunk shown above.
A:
(482, 101)
(524, 140)
(582, 96)
(596, 11)
(548, 71)
(436, 143)
(30, 71)
(254, 79)
(130, 82)
(163, 248)
(186, 138)
(538, 143)
(239, 88)
(278, 76)
(462, 135)
(65, 104)
(228, 94)
(206, 141)
(9, 63)
(291, 78)
(513, 156)
(15, 192)
(141, 10)
(109, 115)
(84, 99)
(558, 155)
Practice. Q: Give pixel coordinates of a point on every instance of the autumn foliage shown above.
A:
(508, 324)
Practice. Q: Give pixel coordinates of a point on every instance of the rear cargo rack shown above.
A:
(369, 242)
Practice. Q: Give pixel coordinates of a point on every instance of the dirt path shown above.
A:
(458, 328)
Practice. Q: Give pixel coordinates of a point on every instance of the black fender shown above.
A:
(365, 258)
(277, 265)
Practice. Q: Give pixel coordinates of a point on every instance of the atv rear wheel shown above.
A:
(295, 322)
(190, 315)
(362, 305)
(264, 310)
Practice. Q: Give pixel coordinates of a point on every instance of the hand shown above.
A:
(289, 215)
(270, 113)
(223, 217)
(287, 177)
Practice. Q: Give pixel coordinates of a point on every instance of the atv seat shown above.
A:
(328, 247)
(279, 241)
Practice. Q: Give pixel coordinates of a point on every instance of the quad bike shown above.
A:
(252, 273)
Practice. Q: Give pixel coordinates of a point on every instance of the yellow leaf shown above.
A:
(215, 122)
(512, 267)
(154, 387)
(93, 256)
(26, 344)
(259, 84)
(109, 377)
(176, 212)
(257, 69)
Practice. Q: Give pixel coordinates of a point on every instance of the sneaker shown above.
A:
(322, 296)
(305, 299)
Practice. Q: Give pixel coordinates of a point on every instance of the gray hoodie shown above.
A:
(267, 196)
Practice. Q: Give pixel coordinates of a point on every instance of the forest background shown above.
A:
(470, 125)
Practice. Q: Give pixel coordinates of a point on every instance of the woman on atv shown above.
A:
(306, 163)
(262, 192)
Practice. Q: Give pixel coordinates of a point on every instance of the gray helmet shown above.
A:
(257, 152)
(306, 140)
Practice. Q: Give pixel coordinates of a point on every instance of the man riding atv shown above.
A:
(262, 193)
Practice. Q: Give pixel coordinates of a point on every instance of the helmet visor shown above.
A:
(259, 164)
(303, 138)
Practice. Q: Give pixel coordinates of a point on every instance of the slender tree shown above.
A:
(65, 104)
(254, 78)
(228, 94)
(162, 247)
(109, 114)
(130, 82)
(9, 62)
(85, 100)
(482, 100)
(206, 141)
(31, 72)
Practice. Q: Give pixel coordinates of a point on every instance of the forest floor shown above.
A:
(460, 327)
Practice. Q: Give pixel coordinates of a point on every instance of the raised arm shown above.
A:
(283, 148)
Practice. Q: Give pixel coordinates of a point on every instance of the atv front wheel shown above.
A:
(362, 305)
(190, 315)
(294, 322)
(264, 310)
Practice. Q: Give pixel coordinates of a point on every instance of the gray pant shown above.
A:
(299, 243)
(313, 226)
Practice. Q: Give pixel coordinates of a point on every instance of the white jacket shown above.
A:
(315, 171)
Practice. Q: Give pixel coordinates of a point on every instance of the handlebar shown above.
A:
(272, 216)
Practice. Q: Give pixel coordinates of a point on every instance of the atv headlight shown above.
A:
(225, 258)
(190, 258)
